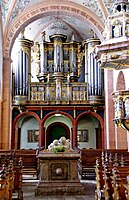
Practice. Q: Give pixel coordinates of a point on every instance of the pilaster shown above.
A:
(109, 111)
(6, 105)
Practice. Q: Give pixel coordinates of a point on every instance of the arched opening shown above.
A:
(56, 131)
(55, 126)
(84, 15)
(90, 131)
(41, 11)
(26, 133)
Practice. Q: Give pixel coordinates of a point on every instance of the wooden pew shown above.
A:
(88, 160)
(99, 181)
(119, 178)
(3, 187)
(7, 182)
(11, 171)
(110, 179)
(127, 187)
(18, 181)
(29, 159)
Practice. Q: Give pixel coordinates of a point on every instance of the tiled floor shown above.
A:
(29, 192)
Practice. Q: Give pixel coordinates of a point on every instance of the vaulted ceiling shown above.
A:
(56, 22)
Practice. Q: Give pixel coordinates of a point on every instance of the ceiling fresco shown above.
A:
(20, 5)
(56, 22)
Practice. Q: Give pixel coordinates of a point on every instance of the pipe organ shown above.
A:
(59, 64)
(22, 70)
(94, 74)
(58, 56)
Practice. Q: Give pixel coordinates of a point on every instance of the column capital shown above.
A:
(7, 59)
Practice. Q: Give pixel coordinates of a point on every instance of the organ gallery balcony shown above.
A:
(59, 94)
(53, 93)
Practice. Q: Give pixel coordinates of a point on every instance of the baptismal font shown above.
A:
(59, 170)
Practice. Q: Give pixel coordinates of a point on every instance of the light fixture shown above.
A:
(57, 115)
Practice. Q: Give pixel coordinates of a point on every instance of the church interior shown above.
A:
(64, 69)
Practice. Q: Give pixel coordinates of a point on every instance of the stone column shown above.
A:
(109, 111)
(0, 118)
(74, 142)
(6, 105)
(41, 136)
(1, 72)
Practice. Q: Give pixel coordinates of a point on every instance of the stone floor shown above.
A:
(29, 191)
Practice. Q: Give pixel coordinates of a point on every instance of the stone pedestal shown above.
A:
(59, 174)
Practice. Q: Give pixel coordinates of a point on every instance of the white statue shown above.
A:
(63, 142)
(117, 29)
(53, 145)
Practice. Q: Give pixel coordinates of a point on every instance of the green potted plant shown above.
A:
(59, 149)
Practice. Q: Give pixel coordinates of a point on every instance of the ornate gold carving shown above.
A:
(114, 56)
(57, 42)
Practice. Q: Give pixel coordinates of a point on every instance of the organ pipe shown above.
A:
(95, 74)
(22, 72)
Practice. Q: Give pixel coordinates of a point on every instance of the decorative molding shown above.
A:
(42, 10)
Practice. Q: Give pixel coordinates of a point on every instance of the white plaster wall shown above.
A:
(61, 118)
(89, 124)
(30, 124)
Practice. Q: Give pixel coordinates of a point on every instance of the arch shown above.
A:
(24, 114)
(42, 9)
(42, 133)
(56, 124)
(16, 120)
(57, 112)
(120, 84)
(100, 119)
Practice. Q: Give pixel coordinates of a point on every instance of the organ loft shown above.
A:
(67, 75)
(64, 98)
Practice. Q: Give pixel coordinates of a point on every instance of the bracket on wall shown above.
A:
(20, 108)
